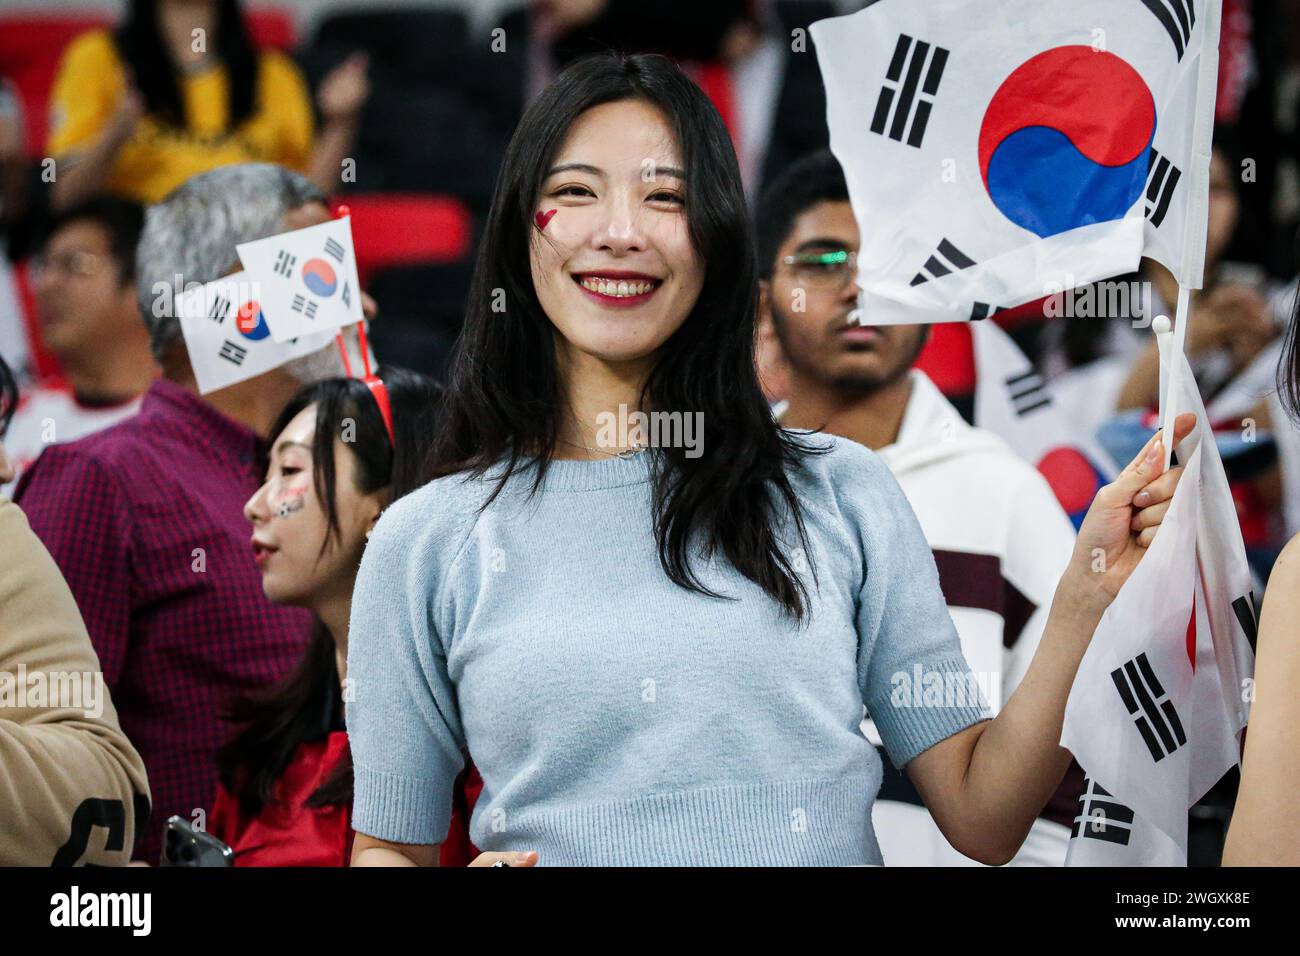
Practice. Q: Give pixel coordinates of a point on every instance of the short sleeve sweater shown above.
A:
(619, 719)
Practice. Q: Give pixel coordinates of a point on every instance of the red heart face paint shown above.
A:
(542, 218)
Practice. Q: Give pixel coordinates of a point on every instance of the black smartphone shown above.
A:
(183, 845)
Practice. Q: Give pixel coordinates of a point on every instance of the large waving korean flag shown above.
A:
(996, 150)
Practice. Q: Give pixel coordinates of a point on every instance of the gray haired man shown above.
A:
(145, 519)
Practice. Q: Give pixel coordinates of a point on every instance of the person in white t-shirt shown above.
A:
(88, 317)
(999, 537)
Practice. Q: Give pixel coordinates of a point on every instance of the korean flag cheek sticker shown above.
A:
(543, 218)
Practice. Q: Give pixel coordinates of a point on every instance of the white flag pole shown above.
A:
(1173, 382)
(1191, 273)
(1163, 329)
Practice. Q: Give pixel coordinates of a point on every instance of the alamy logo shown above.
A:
(922, 688)
(132, 910)
(79, 690)
(638, 429)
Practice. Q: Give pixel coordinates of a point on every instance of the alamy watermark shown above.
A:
(651, 430)
(79, 690)
(133, 911)
(1109, 299)
(943, 688)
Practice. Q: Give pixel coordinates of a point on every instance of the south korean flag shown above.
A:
(1157, 708)
(1105, 832)
(996, 150)
(226, 333)
(308, 278)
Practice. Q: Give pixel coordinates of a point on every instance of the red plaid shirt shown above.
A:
(145, 520)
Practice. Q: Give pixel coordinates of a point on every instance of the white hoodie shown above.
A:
(1001, 542)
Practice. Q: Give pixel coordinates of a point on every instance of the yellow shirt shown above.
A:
(160, 157)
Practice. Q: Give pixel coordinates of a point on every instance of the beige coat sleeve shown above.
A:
(72, 788)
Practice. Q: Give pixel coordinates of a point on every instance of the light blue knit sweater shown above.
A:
(619, 719)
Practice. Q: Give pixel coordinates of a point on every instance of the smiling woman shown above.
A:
(619, 233)
(661, 655)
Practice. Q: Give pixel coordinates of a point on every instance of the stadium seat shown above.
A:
(32, 44)
(413, 258)
(716, 81)
(394, 229)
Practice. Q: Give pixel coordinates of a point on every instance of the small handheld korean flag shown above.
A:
(1157, 708)
(308, 278)
(226, 333)
(996, 150)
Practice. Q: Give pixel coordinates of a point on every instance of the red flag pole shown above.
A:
(339, 213)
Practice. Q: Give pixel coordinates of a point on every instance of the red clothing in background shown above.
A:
(288, 833)
(145, 521)
(457, 850)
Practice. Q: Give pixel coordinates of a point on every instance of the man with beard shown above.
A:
(999, 537)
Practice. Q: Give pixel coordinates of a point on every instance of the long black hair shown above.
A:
(140, 44)
(505, 398)
(1288, 368)
(307, 704)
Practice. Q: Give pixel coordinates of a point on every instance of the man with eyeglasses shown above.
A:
(1000, 539)
(83, 278)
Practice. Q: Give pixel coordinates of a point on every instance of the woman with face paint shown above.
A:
(286, 778)
(653, 616)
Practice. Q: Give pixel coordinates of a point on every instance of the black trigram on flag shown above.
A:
(347, 294)
(1027, 393)
(1162, 180)
(894, 115)
(219, 309)
(1101, 818)
(1177, 17)
(334, 250)
(1247, 616)
(982, 310)
(1156, 719)
(284, 263)
(304, 305)
(947, 258)
(233, 353)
